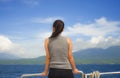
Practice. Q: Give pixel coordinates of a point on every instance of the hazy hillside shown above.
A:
(39, 60)
(7, 56)
(96, 55)
(110, 55)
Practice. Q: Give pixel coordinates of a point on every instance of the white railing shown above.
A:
(28, 75)
(97, 74)
(94, 74)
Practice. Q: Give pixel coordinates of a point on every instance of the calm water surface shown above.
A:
(15, 71)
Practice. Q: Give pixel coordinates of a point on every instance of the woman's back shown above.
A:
(58, 48)
(59, 59)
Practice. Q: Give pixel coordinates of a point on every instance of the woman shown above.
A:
(59, 54)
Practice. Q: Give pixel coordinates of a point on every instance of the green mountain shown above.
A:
(4, 55)
(39, 60)
(110, 55)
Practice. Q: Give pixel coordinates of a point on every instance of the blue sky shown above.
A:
(24, 24)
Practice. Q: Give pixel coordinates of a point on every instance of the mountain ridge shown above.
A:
(109, 55)
(97, 55)
(6, 56)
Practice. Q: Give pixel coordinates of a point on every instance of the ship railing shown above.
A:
(95, 74)
(30, 75)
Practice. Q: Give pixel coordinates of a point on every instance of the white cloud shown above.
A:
(5, 43)
(99, 34)
(101, 27)
(44, 35)
(96, 42)
(46, 20)
(105, 42)
(18, 49)
(23, 48)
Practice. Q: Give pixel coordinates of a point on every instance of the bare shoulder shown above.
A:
(69, 40)
(46, 40)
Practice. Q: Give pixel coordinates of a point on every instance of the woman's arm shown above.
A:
(70, 57)
(47, 58)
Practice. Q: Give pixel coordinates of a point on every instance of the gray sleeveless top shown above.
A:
(58, 48)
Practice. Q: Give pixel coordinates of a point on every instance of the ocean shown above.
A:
(15, 71)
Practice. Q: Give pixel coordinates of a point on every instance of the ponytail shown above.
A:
(58, 25)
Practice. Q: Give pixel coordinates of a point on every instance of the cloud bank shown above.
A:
(22, 49)
(96, 42)
(101, 33)
(7, 46)
(101, 27)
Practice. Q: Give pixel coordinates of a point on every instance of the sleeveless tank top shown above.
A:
(58, 48)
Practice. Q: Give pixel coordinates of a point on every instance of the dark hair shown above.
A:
(58, 25)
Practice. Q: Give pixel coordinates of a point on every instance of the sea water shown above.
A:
(15, 71)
